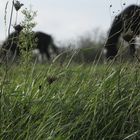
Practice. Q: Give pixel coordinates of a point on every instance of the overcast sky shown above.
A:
(66, 19)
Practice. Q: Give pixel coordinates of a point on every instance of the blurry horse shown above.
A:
(42, 40)
(10, 45)
(127, 24)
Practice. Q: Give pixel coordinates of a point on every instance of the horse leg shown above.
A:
(113, 37)
(55, 49)
(47, 54)
(132, 47)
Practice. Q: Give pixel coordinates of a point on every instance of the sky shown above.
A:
(67, 19)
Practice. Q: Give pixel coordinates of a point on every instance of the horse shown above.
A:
(127, 25)
(42, 40)
(11, 43)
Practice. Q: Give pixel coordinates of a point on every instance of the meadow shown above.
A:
(76, 98)
(70, 101)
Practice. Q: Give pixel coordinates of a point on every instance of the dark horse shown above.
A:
(11, 43)
(127, 24)
(42, 40)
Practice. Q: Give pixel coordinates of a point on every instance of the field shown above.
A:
(70, 101)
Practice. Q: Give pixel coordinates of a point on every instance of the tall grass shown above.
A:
(68, 102)
(79, 102)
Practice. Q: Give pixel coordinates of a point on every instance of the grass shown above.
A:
(76, 102)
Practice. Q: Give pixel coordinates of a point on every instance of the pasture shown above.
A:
(70, 101)
(74, 96)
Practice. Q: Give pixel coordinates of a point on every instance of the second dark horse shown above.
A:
(43, 43)
(127, 24)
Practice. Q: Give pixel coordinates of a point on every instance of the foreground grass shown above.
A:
(78, 102)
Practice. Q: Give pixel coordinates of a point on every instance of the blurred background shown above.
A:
(72, 23)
